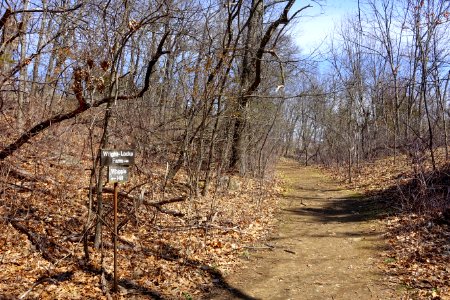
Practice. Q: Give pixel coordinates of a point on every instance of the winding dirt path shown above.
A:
(326, 246)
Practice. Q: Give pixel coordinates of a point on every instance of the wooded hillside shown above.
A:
(209, 94)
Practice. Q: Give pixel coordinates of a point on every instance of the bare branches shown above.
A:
(282, 19)
(280, 63)
(83, 106)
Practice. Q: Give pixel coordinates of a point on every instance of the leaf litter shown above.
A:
(160, 255)
(416, 204)
(165, 256)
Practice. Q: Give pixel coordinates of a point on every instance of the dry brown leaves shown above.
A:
(160, 256)
(418, 259)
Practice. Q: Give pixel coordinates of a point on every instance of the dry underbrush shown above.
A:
(176, 252)
(417, 202)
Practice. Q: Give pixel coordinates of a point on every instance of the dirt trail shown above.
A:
(326, 246)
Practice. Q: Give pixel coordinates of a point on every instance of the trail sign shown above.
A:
(117, 162)
(118, 174)
(117, 157)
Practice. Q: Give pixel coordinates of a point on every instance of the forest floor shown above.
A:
(172, 245)
(327, 246)
(314, 238)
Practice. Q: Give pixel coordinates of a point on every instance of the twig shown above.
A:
(258, 247)
(53, 279)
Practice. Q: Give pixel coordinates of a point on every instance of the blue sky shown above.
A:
(318, 22)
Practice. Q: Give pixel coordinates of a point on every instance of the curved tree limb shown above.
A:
(283, 19)
(83, 106)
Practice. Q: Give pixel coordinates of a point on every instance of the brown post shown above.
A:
(116, 188)
(118, 162)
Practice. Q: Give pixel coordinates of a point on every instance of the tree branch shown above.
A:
(282, 19)
(5, 17)
(157, 205)
(152, 62)
(83, 106)
(52, 11)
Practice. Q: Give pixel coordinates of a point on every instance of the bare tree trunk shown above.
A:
(254, 31)
(21, 112)
(444, 118)
(37, 61)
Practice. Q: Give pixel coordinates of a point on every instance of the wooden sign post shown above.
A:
(118, 162)
(116, 192)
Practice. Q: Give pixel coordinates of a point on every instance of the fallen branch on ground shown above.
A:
(157, 205)
(24, 175)
(41, 242)
(55, 279)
